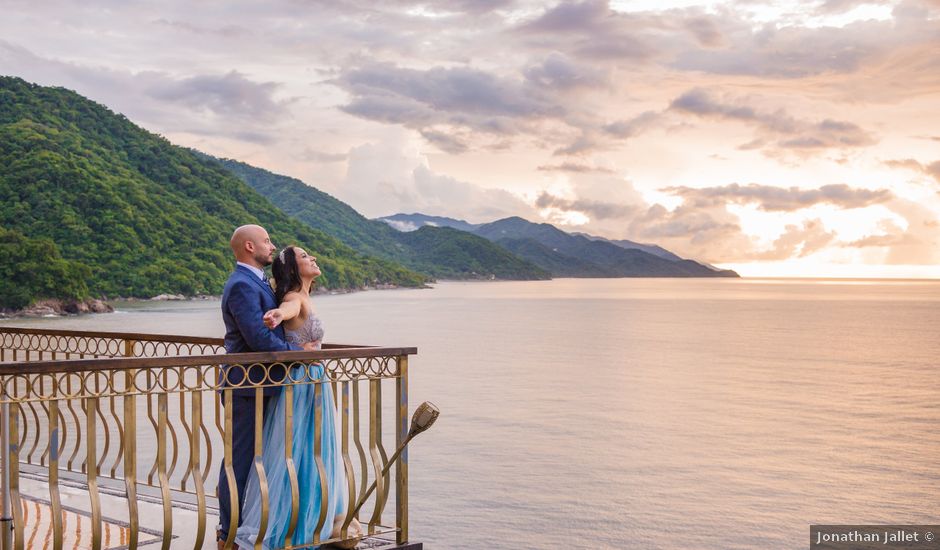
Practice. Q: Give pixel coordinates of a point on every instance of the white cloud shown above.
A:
(392, 175)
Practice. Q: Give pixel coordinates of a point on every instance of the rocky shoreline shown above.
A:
(47, 308)
(51, 308)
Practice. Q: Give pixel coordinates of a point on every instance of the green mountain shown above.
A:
(410, 222)
(552, 261)
(126, 213)
(459, 255)
(438, 251)
(584, 257)
(568, 254)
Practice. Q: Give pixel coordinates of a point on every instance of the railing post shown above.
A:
(401, 467)
(6, 521)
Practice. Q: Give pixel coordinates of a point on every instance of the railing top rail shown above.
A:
(176, 338)
(122, 363)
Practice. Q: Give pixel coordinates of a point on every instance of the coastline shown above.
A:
(67, 308)
(58, 308)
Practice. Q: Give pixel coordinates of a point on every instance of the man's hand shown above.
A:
(273, 318)
(311, 346)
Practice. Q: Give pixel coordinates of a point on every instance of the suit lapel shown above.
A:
(259, 282)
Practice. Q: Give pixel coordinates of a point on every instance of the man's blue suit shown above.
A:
(244, 301)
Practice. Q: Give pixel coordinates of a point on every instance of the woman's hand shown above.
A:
(311, 346)
(273, 318)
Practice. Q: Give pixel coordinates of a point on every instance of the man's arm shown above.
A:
(246, 310)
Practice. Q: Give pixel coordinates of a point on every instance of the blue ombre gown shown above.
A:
(275, 466)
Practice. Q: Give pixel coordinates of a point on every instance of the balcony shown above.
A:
(115, 440)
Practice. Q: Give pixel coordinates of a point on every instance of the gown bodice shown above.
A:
(310, 331)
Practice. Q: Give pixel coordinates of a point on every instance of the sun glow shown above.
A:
(812, 268)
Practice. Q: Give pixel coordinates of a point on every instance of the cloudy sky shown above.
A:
(774, 137)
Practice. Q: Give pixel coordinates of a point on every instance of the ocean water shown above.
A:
(648, 413)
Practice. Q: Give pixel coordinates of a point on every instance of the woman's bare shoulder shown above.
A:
(300, 298)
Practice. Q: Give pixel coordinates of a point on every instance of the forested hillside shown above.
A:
(440, 252)
(129, 213)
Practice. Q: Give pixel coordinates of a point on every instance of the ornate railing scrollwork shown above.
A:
(146, 411)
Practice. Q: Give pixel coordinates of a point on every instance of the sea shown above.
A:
(647, 413)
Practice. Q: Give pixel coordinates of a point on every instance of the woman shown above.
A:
(294, 272)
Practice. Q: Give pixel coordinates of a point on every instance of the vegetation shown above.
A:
(437, 251)
(33, 267)
(459, 255)
(125, 213)
(567, 255)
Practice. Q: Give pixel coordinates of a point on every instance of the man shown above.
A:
(247, 296)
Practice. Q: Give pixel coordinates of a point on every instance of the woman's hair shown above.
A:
(286, 274)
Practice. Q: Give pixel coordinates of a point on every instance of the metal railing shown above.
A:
(71, 406)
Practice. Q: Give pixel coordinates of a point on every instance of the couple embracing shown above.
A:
(259, 318)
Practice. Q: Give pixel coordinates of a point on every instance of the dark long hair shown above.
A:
(286, 274)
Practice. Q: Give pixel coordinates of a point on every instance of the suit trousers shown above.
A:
(243, 453)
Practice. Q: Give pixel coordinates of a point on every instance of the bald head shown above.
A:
(252, 245)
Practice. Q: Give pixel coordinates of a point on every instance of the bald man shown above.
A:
(247, 296)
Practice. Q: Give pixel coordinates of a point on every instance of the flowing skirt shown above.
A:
(307, 399)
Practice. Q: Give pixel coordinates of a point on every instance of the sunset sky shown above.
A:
(775, 138)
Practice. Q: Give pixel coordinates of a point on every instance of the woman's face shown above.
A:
(306, 264)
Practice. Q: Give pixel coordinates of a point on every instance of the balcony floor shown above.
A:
(76, 516)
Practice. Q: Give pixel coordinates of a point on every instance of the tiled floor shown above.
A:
(76, 529)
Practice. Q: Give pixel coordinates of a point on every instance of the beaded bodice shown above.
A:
(311, 330)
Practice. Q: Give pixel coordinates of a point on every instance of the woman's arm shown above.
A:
(288, 309)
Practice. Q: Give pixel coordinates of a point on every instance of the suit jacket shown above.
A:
(244, 301)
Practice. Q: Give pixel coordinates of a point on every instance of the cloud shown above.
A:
(798, 241)
(230, 105)
(402, 225)
(449, 92)
(444, 141)
(584, 143)
(480, 6)
(703, 227)
(909, 164)
(877, 241)
(729, 39)
(706, 233)
(785, 131)
(842, 6)
(596, 136)
(590, 30)
(226, 31)
(790, 50)
(452, 106)
(705, 31)
(231, 94)
(390, 175)
(629, 128)
(610, 205)
(932, 169)
(569, 17)
(598, 210)
(574, 167)
(559, 72)
(916, 243)
(783, 199)
(322, 156)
